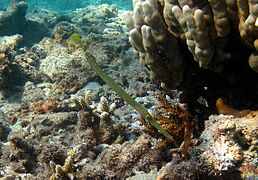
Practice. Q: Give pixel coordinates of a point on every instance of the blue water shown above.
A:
(70, 5)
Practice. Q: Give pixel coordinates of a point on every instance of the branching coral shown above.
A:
(150, 41)
(157, 26)
(94, 120)
(3, 66)
(65, 171)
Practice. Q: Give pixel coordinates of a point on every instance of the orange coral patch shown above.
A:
(224, 108)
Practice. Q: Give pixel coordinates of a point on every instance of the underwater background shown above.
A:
(66, 6)
(191, 67)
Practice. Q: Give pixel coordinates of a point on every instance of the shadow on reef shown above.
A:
(206, 49)
(13, 77)
(235, 81)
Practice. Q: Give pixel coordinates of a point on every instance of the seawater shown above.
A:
(63, 6)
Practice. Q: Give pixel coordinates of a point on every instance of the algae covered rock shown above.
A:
(8, 47)
(12, 20)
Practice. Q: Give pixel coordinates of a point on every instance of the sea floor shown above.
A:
(59, 120)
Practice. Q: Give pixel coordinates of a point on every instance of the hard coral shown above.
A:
(227, 149)
(229, 144)
(159, 30)
(63, 31)
(3, 66)
(94, 120)
(65, 171)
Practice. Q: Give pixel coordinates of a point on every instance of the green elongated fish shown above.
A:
(112, 84)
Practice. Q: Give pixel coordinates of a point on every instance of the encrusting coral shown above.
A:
(159, 28)
(229, 144)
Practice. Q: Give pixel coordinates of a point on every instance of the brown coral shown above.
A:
(204, 26)
(253, 60)
(3, 65)
(94, 120)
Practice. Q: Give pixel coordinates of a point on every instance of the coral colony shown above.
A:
(148, 89)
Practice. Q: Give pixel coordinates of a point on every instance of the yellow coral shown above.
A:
(65, 171)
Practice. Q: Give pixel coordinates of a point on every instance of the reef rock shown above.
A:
(13, 19)
(8, 46)
(227, 148)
